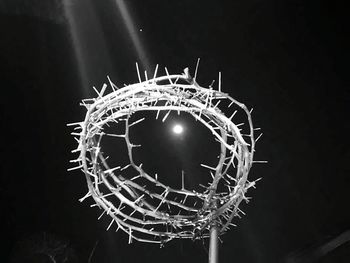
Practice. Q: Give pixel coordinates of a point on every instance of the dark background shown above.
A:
(287, 59)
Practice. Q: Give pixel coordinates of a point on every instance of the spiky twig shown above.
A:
(142, 213)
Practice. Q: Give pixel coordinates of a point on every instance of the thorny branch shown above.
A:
(133, 204)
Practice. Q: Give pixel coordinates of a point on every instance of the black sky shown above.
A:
(287, 59)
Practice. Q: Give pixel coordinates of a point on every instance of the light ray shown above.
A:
(88, 43)
(133, 33)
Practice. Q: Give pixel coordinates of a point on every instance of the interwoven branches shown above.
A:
(143, 206)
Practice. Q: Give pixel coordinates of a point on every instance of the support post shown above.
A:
(214, 244)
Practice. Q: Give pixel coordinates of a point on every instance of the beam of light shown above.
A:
(178, 129)
(73, 30)
(89, 43)
(318, 251)
(133, 33)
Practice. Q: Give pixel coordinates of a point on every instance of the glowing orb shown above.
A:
(178, 129)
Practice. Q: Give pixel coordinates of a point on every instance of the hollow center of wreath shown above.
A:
(170, 148)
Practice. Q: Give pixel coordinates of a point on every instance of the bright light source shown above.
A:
(178, 129)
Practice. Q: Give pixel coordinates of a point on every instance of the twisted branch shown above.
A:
(133, 204)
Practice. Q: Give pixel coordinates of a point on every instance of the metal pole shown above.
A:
(214, 244)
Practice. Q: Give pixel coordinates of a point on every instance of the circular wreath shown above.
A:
(142, 206)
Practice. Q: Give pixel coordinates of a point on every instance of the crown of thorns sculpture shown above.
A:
(143, 206)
